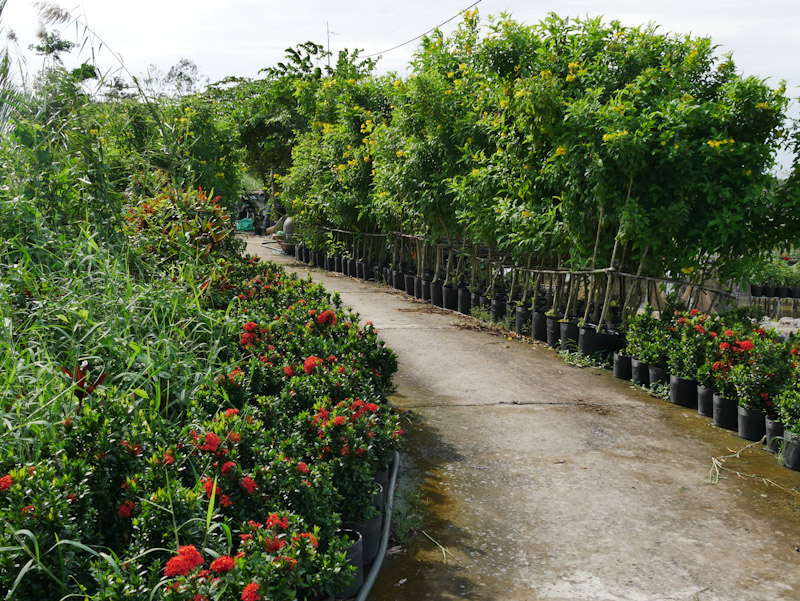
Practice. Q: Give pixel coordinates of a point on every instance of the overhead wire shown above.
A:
(424, 34)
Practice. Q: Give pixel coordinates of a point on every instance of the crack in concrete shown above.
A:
(577, 403)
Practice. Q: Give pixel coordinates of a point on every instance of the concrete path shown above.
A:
(554, 483)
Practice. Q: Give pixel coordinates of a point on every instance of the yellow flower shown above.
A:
(561, 151)
(526, 214)
(93, 132)
(574, 65)
(570, 78)
(687, 270)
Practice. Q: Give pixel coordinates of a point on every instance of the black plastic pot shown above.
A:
(791, 450)
(640, 372)
(594, 343)
(539, 326)
(658, 375)
(782, 292)
(409, 279)
(774, 434)
(498, 309)
(770, 291)
(622, 367)
(796, 291)
(351, 268)
(683, 392)
(398, 280)
(568, 336)
(726, 413)
(705, 401)
(437, 297)
(522, 320)
(417, 287)
(756, 290)
(475, 299)
(450, 298)
(355, 557)
(298, 252)
(485, 303)
(426, 289)
(553, 331)
(464, 301)
(751, 424)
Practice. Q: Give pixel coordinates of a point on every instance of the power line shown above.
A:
(424, 34)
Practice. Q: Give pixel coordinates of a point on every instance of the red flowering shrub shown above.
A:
(187, 559)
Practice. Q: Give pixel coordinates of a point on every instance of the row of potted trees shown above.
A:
(745, 377)
(549, 306)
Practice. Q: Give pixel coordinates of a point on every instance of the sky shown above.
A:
(240, 37)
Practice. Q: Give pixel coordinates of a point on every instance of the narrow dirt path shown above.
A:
(551, 483)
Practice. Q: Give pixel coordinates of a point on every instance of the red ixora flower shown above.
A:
(765, 395)
(700, 329)
(250, 326)
(29, 509)
(745, 345)
(311, 363)
(223, 563)
(6, 482)
(187, 559)
(250, 592)
(694, 312)
(248, 484)
(228, 467)
(326, 317)
(728, 332)
(211, 443)
(126, 509)
(301, 465)
(338, 420)
(724, 346)
(288, 371)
